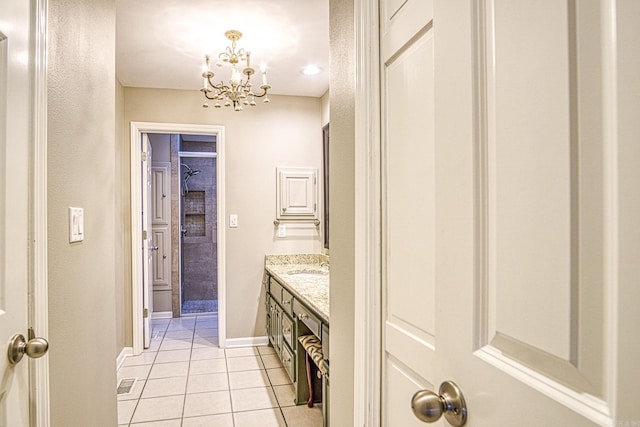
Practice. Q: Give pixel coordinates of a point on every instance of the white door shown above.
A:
(503, 206)
(15, 141)
(147, 239)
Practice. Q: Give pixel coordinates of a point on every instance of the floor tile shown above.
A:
(271, 361)
(181, 323)
(180, 333)
(163, 423)
(247, 363)
(208, 366)
(207, 382)
(141, 359)
(242, 351)
(248, 379)
(202, 342)
(211, 403)
(158, 408)
(206, 332)
(175, 344)
(263, 418)
(165, 387)
(125, 410)
(222, 420)
(154, 345)
(172, 369)
(266, 350)
(250, 399)
(285, 394)
(140, 372)
(173, 356)
(278, 376)
(303, 416)
(207, 353)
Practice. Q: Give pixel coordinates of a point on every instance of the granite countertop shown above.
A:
(293, 271)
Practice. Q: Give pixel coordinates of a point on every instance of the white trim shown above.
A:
(126, 352)
(203, 154)
(162, 315)
(247, 342)
(367, 310)
(137, 129)
(39, 303)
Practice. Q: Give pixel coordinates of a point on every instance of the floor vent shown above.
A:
(126, 385)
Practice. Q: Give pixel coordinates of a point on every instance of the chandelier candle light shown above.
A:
(236, 92)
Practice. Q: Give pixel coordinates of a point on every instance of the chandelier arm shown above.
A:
(264, 92)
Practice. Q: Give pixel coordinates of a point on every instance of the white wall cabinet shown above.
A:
(161, 225)
(160, 190)
(161, 270)
(297, 194)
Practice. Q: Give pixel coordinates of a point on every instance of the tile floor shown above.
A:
(186, 380)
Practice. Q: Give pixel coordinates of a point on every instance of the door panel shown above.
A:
(15, 141)
(498, 210)
(162, 259)
(147, 238)
(161, 193)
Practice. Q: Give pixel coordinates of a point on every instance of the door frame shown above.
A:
(137, 129)
(368, 227)
(38, 284)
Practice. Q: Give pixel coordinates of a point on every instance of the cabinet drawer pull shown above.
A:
(286, 302)
(286, 330)
(302, 316)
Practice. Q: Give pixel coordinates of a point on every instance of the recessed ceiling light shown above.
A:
(311, 70)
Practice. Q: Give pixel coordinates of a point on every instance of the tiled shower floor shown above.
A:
(186, 380)
(200, 306)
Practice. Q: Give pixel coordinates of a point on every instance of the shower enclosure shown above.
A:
(198, 234)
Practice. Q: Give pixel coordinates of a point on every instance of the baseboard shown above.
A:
(127, 351)
(161, 315)
(246, 342)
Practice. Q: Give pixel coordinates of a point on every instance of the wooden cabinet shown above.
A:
(287, 319)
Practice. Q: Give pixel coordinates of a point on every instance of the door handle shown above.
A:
(154, 248)
(19, 346)
(428, 407)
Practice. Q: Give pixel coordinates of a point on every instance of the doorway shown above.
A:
(169, 303)
(198, 225)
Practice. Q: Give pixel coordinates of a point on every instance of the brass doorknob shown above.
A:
(19, 346)
(429, 407)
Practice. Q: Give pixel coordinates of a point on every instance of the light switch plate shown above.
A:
(233, 220)
(76, 225)
(282, 230)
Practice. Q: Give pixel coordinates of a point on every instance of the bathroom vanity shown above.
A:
(297, 304)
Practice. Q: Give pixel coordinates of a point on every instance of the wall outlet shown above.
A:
(233, 220)
(282, 230)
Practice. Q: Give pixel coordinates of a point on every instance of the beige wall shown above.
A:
(287, 132)
(342, 184)
(81, 172)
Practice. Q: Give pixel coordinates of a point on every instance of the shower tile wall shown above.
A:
(200, 243)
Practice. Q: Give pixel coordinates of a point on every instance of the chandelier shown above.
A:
(238, 91)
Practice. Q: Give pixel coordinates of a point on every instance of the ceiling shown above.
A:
(162, 43)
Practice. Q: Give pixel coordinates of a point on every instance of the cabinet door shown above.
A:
(296, 193)
(160, 193)
(161, 272)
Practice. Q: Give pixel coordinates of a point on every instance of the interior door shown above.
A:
(499, 211)
(15, 122)
(147, 238)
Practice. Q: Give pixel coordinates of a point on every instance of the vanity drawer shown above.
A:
(288, 361)
(287, 329)
(307, 317)
(287, 301)
(275, 289)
